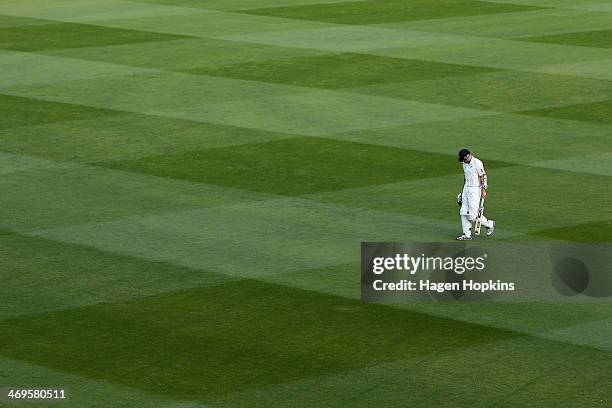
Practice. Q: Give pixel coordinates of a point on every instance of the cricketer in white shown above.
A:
(474, 187)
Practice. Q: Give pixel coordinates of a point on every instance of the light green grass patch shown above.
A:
(334, 112)
(564, 4)
(509, 25)
(15, 21)
(213, 24)
(352, 38)
(252, 239)
(47, 194)
(592, 112)
(15, 163)
(153, 91)
(237, 4)
(504, 91)
(600, 69)
(576, 160)
(88, 10)
(22, 69)
(502, 54)
(494, 137)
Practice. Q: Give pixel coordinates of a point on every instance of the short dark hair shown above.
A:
(463, 153)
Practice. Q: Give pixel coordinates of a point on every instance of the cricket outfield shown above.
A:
(185, 186)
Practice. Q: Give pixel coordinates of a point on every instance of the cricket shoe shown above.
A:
(464, 238)
(491, 230)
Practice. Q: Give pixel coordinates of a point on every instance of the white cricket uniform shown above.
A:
(471, 189)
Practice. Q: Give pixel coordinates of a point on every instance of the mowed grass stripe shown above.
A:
(594, 112)
(71, 133)
(600, 69)
(91, 393)
(296, 166)
(510, 25)
(27, 69)
(246, 233)
(147, 92)
(250, 104)
(519, 207)
(64, 276)
(542, 379)
(435, 47)
(212, 341)
(601, 39)
(503, 54)
(593, 231)
(334, 111)
(501, 91)
(209, 326)
(337, 280)
(79, 11)
(334, 71)
(252, 239)
(212, 24)
(27, 112)
(596, 163)
(72, 35)
(323, 281)
(349, 38)
(183, 55)
(72, 194)
(386, 11)
(7, 21)
(229, 5)
(495, 136)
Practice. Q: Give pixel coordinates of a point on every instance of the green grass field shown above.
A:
(185, 185)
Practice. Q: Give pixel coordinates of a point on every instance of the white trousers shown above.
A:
(470, 201)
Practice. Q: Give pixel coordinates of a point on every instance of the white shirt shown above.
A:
(472, 171)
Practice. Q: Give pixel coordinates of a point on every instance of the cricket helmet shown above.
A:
(462, 153)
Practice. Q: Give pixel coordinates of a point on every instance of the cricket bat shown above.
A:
(480, 212)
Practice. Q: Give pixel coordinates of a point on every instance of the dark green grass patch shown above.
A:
(389, 11)
(73, 35)
(19, 111)
(339, 70)
(295, 166)
(594, 231)
(40, 275)
(593, 112)
(205, 342)
(599, 39)
(5, 232)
